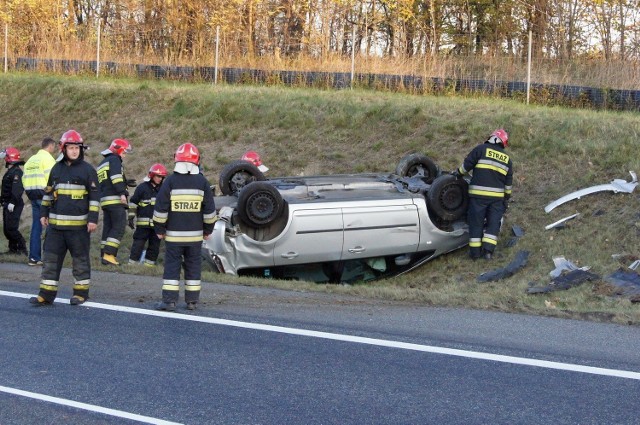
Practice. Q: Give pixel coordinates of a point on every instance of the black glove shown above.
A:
(505, 202)
(457, 174)
(131, 182)
(133, 226)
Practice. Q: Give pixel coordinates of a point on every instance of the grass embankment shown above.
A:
(300, 131)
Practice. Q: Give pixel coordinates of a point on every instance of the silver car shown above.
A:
(336, 228)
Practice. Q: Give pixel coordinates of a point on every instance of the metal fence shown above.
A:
(548, 94)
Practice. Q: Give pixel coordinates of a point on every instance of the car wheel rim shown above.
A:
(452, 197)
(261, 207)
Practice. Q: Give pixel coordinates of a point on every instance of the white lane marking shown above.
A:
(90, 407)
(363, 340)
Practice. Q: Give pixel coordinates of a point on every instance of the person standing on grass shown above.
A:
(36, 174)
(489, 192)
(141, 205)
(184, 215)
(12, 203)
(113, 199)
(70, 208)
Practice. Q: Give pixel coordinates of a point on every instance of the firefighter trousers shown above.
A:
(484, 218)
(56, 244)
(141, 236)
(10, 227)
(177, 256)
(114, 221)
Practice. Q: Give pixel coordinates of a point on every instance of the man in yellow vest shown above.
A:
(34, 180)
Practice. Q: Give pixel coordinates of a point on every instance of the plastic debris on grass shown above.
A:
(518, 262)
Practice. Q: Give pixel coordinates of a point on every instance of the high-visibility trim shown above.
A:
(192, 285)
(144, 221)
(80, 287)
(149, 262)
(489, 241)
(117, 178)
(115, 243)
(180, 192)
(186, 197)
(171, 285)
(70, 186)
(83, 282)
(494, 192)
(475, 242)
(160, 217)
(110, 200)
(68, 220)
(209, 218)
(492, 167)
(51, 285)
(184, 236)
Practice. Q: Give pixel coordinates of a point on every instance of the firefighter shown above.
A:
(184, 215)
(489, 192)
(141, 205)
(12, 203)
(113, 199)
(70, 209)
(36, 174)
(254, 158)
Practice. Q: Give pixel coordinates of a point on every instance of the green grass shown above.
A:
(306, 131)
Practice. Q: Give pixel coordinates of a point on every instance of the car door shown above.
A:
(313, 236)
(379, 230)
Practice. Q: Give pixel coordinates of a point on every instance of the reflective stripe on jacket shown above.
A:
(492, 172)
(72, 200)
(36, 174)
(184, 209)
(112, 180)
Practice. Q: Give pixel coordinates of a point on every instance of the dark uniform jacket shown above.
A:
(142, 203)
(492, 172)
(12, 186)
(112, 180)
(184, 209)
(71, 198)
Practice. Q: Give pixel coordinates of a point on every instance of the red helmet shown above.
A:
(70, 137)
(499, 137)
(254, 158)
(157, 170)
(12, 155)
(187, 152)
(120, 146)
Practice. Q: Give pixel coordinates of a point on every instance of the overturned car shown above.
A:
(336, 228)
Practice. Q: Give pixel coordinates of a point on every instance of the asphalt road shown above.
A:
(264, 356)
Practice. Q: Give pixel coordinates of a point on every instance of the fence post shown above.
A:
(353, 54)
(98, 52)
(529, 68)
(6, 45)
(215, 68)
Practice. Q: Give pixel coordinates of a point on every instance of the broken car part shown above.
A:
(617, 185)
(518, 262)
(564, 282)
(560, 223)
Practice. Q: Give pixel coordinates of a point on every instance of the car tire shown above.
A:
(236, 175)
(448, 197)
(417, 165)
(259, 204)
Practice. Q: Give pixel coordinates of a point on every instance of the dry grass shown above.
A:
(303, 131)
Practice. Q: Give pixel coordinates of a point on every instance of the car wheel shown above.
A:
(259, 204)
(417, 165)
(236, 175)
(448, 197)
